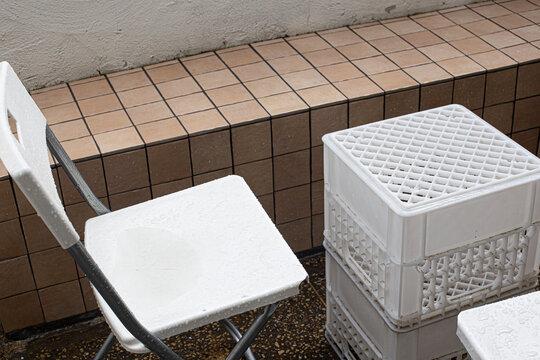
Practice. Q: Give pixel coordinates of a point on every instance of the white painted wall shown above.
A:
(48, 41)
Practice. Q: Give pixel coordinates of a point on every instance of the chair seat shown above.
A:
(191, 258)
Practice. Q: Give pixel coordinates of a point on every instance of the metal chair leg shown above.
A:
(236, 335)
(242, 345)
(107, 345)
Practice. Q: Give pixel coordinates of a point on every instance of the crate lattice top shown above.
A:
(435, 154)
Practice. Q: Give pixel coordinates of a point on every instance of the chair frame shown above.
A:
(113, 299)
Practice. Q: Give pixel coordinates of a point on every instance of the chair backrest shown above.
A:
(25, 156)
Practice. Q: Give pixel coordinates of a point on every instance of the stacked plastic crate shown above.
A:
(425, 214)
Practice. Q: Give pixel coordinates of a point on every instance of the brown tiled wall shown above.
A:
(259, 111)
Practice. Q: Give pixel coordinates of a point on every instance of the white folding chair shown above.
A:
(164, 266)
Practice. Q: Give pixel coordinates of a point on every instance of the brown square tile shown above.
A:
(243, 112)
(408, 58)
(203, 121)
(128, 81)
(307, 43)
(529, 33)
(500, 116)
(324, 57)
(254, 71)
(289, 64)
(327, 119)
(358, 88)
(91, 89)
(297, 234)
(340, 37)
(21, 311)
(519, 6)
(239, 57)
(12, 244)
(317, 163)
(366, 111)
(169, 72)
(212, 175)
(404, 27)
(38, 236)
(317, 197)
(500, 86)
(79, 214)
(171, 187)
(292, 169)
(90, 302)
(373, 32)
(434, 22)
(251, 142)
(229, 95)
(202, 65)
(321, 95)
(317, 230)
(401, 103)
(391, 44)
(522, 53)
(528, 139)
(62, 301)
(52, 266)
(108, 121)
(493, 60)
(126, 171)
(211, 151)
(100, 104)
(428, 73)
(148, 112)
(469, 91)
(216, 79)
(169, 161)
(511, 21)
(432, 96)
(80, 149)
(422, 38)
(491, 11)
(161, 130)
(129, 198)
(292, 204)
(440, 52)
(61, 113)
(502, 39)
(189, 103)
(463, 16)
(461, 66)
(275, 50)
(534, 15)
(290, 133)
(282, 104)
(267, 202)
(340, 72)
(92, 172)
(139, 96)
(358, 50)
(482, 27)
(258, 176)
(267, 86)
(304, 79)
(16, 276)
(54, 97)
(527, 82)
(453, 33)
(375, 65)
(178, 87)
(70, 130)
(393, 80)
(526, 113)
(471, 46)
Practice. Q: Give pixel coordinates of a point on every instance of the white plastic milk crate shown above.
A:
(358, 330)
(433, 211)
